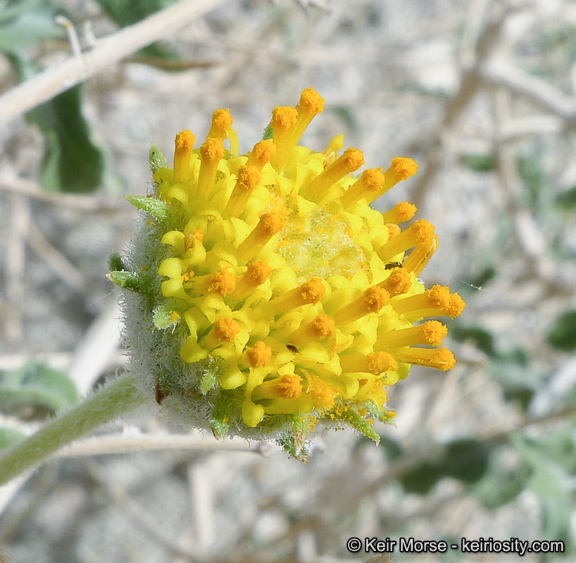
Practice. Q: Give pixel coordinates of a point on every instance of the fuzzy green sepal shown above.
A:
(357, 422)
(219, 417)
(292, 446)
(158, 209)
(156, 159)
(167, 315)
(140, 283)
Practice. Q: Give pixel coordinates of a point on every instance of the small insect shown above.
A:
(392, 265)
(292, 349)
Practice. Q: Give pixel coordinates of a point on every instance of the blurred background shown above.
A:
(482, 94)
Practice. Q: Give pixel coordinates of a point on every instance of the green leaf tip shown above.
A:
(156, 159)
(219, 427)
(158, 209)
(140, 283)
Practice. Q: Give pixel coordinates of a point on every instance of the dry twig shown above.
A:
(107, 52)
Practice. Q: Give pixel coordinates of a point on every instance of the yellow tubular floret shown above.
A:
(436, 301)
(311, 104)
(440, 358)
(211, 153)
(285, 387)
(222, 282)
(256, 274)
(224, 330)
(320, 328)
(367, 187)
(349, 162)
(456, 306)
(282, 123)
(248, 179)
(184, 144)
(421, 255)
(419, 231)
(259, 355)
(193, 238)
(397, 283)
(429, 332)
(269, 225)
(371, 301)
(374, 363)
(400, 213)
(393, 230)
(221, 123)
(308, 293)
(262, 153)
(401, 169)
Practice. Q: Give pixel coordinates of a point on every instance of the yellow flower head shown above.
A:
(268, 295)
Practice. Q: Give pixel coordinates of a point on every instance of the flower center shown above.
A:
(319, 245)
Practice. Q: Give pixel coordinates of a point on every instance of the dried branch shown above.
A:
(502, 74)
(107, 52)
(118, 495)
(84, 202)
(470, 83)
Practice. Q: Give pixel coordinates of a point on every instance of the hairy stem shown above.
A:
(111, 402)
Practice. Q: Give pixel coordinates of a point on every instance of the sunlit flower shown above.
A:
(268, 296)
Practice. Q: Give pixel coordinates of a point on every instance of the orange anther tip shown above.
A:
(397, 283)
(284, 118)
(212, 150)
(222, 282)
(271, 223)
(323, 326)
(456, 306)
(311, 102)
(248, 177)
(222, 119)
(434, 332)
(373, 179)
(258, 272)
(353, 158)
(259, 355)
(185, 140)
(379, 362)
(226, 330)
(375, 298)
(264, 151)
(444, 359)
(312, 291)
(290, 386)
(406, 210)
(404, 167)
(438, 296)
(423, 230)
